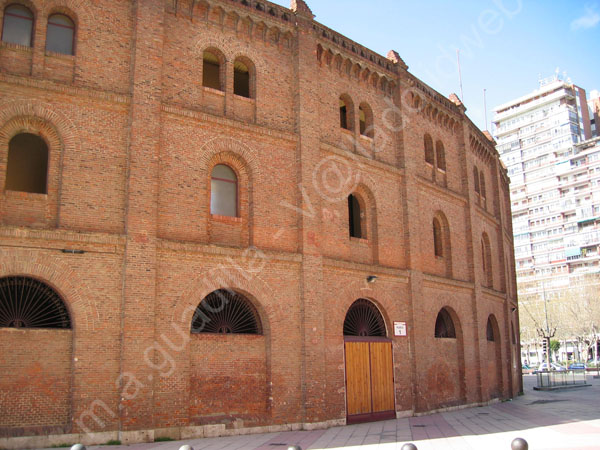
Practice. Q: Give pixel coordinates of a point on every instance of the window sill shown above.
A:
(60, 55)
(244, 99)
(12, 46)
(366, 138)
(213, 91)
(25, 195)
(359, 241)
(347, 131)
(441, 170)
(226, 219)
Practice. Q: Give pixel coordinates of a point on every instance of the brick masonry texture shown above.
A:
(133, 137)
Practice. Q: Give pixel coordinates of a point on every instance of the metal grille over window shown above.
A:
(226, 312)
(29, 303)
(364, 319)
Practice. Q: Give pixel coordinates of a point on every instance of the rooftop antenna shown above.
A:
(459, 74)
(485, 108)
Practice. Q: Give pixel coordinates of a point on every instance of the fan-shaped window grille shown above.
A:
(29, 303)
(226, 312)
(490, 331)
(364, 319)
(444, 325)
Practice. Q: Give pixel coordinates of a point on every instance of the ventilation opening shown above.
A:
(211, 71)
(241, 79)
(364, 319)
(29, 303)
(226, 312)
(27, 168)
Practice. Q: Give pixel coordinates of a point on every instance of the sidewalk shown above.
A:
(567, 419)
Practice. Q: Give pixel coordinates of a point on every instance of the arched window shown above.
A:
(366, 120)
(486, 258)
(444, 325)
(28, 303)
(364, 319)
(27, 167)
(241, 79)
(226, 312)
(211, 71)
(60, 35)
(223, 191)
(482, 185)
(476, 180)
(489, 332)
(438, 244)
(428, 144)
(346, 116)
(354, 217)
(440, 154)
(17, 27)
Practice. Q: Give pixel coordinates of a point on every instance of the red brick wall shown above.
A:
(35, 387)
(133, 137)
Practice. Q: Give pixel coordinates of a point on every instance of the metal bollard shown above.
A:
(409, 447)
(294, 447)
(186, 447)
(78, 447)
(519, 444)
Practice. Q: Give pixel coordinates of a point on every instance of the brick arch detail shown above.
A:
(246, 282)
(63, 279)
(230, 48)
(28, 3)
(66, 130)
(77, 10)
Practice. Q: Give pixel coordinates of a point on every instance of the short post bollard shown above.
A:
(409, 447)
(186, 447)
(519, 444)
(294, 447)
(78, 447)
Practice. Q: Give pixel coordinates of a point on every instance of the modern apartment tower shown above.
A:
(545, 140)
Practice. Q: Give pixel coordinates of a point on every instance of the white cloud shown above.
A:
(590, 19)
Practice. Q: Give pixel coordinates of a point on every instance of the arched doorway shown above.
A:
(369, 365)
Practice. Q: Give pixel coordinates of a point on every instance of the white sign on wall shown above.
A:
(399, 328)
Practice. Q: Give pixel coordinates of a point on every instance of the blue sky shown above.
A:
(505, 45)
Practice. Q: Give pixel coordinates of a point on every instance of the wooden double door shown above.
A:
(369, 380)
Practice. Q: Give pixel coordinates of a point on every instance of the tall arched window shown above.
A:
(482, 185)
(444, 325)
(211, 71)
(27, 167)
(28, 303)
(486, 258)
(440, 154)
(489, 331)
(354, 217)
(223, 191)
(438, 243)
(366, 120)
(428, 145)
(476, 180)
(226, 312)
(241, 79)
(17, 27)
(60, 35)
(346, 112)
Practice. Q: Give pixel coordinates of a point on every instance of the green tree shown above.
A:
(554, 348)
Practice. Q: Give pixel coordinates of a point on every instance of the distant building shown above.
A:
(543, 138)
(594, 105)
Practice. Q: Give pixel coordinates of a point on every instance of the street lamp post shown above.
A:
(546, 334)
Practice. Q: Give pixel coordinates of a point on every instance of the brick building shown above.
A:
(223, 215)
